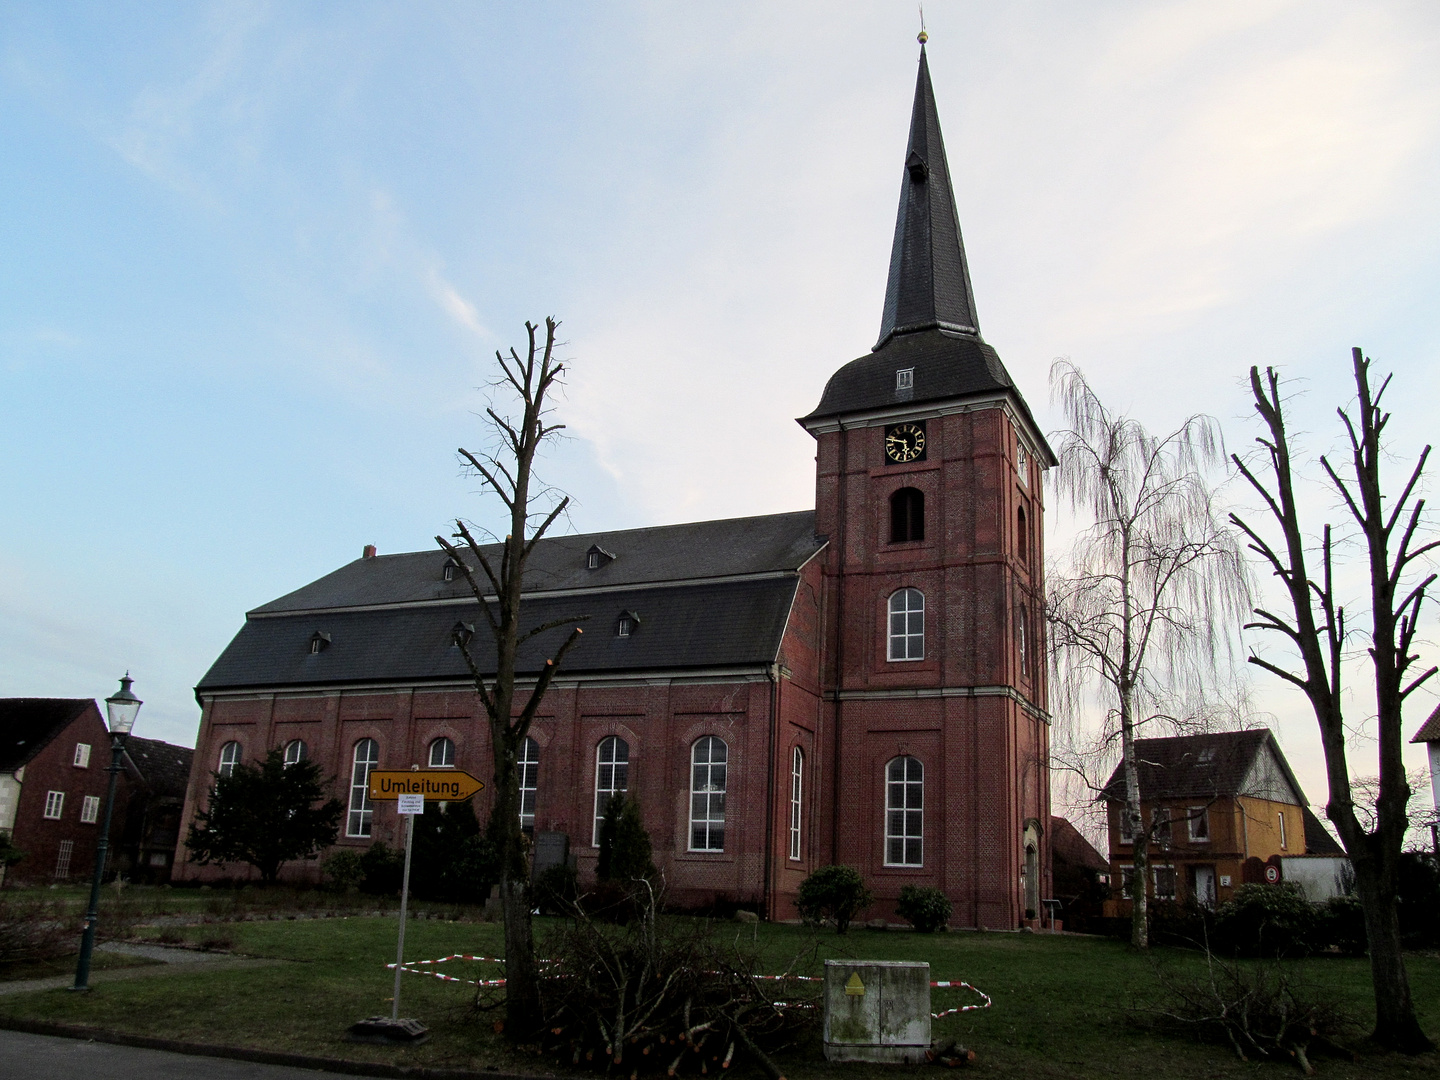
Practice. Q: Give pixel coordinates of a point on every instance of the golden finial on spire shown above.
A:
(923, 37)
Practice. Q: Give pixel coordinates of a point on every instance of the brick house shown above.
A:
(860, 683)
(54, 761)
(1229, 812)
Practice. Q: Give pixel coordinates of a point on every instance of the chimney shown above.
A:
(369, 552)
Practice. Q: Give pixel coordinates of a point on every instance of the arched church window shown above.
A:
(366, 758)
(527, 770)
(904, 812)
(907, 625)
(1022, 640)
(1022, 535)
(708, 761)
(907, 516)
(442, 753)
(612, 777)
(229, 758)
(296, 751)
(797, 785)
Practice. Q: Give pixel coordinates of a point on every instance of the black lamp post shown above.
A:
(120, 713)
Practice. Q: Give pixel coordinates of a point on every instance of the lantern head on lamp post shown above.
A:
(120, 712)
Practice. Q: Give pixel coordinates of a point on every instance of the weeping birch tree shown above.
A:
(1145, 611)
(496, 579)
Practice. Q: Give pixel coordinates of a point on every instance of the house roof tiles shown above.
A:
(28, 724)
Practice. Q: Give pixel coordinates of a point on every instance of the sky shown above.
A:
(257, 259)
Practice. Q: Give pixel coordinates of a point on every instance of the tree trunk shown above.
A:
(522, 973)
(1396, 1026)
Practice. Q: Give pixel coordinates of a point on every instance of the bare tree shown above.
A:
(1144, 611)
(507, 471)
(1315, 627)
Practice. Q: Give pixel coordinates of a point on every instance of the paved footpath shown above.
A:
(170, 959)
(45, 1057)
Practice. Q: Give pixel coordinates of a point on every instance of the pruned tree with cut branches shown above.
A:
(1313, 625)
(497, 579)
(1144, 611)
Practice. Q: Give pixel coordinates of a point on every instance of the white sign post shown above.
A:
(409, 805)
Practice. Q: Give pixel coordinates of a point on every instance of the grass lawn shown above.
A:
(1060, 1002)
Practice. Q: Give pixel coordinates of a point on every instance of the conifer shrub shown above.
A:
(924, 907)
(1267, 920)
(344, 870)
(832, 892)
(383, 869)
(625, 851)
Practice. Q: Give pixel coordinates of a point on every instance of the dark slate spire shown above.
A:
(929, 285)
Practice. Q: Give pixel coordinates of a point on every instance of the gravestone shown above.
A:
(551, 849)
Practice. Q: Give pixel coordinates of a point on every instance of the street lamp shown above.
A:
(120, 713)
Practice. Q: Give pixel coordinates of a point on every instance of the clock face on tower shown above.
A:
(905, 442)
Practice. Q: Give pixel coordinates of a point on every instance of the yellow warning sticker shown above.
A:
(855, 987)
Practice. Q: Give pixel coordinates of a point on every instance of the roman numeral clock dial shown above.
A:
(905, 442)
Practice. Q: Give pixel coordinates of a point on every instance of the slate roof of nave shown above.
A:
(711, 594)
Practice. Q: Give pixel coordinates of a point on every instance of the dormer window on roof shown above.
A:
(905, 379)
(627, 624)
(450, 569)
(597, 557)
(319, 642)
(461, 633)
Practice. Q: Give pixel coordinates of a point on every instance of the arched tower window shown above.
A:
(1022, 639)
(229, 758)
(1022, 536)
(708, 761)
(527, 769)
(442, 753)
(907, 625)
(366, 758)
(797, 785)
(296, 751)
(612, 776)
(904, 812)
(907, 515)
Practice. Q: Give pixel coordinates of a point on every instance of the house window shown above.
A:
(367, 756)
(1022, 536)
(907, 625)
(904, 812)
(1199, 824)
(1022, 464)
(527, 770)
(907, 516)
(1127, 827)
(1164, 883)
(159, 858)
(797, 784)
(82, 755)
(447, 573)
(612, 776)
(707, 794)
(442, 754)
(229, 758)
(624, 626)
(295, 752)
(1160, 825)
(62, 859)
(1022, 640)
(89, 809)
(54, 804)
(1127, 882)
(1281, 818)
(905, 378)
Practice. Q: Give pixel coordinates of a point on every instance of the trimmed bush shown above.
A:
(383, 870)
(1267, 920)
(624, 843)
(832, 892)
(924, 907)
(556, 890)
(1341, 923)
(344, 870)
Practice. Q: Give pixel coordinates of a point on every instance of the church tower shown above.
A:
(934, 731)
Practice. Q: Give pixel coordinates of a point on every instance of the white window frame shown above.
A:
(1022, 637)
(62, 859)
(359, 821)
(1174, 890)
(797, 790)
(904, 642)
(1127, 882)
(612, 776)
(1281, 816)
(442, 752)
(295, 752)
(624, 626)
(1127, 831)
(709, 774)
(82, 755)
(54, 805)
(229, 758)
(1199, 831)
(905, 811)
(90, 810)
(527, 768)
(905, 378)
(1022, 463)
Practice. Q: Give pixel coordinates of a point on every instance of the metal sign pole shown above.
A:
(409, 811)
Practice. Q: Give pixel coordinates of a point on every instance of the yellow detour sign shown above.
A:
(440, 785)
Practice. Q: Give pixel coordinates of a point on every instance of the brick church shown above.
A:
(862, 683)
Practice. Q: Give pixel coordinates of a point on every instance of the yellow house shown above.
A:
(1221, 810)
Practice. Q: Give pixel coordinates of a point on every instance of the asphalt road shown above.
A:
(45, 1057)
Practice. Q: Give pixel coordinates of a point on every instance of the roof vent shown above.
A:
(368, 551)
(319, 642)
(1207, 755)
(627, 624)
(916, 167)
(597, 557)
(461, 633)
